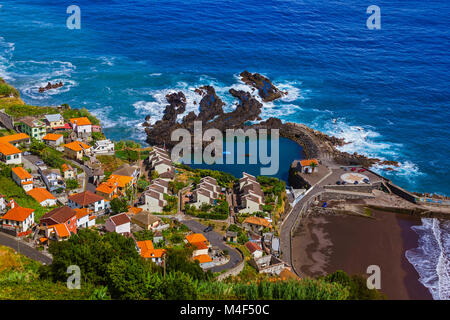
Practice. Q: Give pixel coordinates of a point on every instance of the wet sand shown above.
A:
(324, 244)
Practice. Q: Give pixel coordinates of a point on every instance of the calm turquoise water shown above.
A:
(389, 89)
(289, 151)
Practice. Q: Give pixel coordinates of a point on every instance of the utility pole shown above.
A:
(164, 265)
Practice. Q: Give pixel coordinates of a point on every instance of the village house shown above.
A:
(255, 250)
(58, 217)
(128, 171)
(305, 166)
(22, 177)
(153, 201)
(58, 232)
(18, 219)
(147, 251)
(268, 264)
(87, 199)
(33, 127)
(9, 154)
(54, 121)
(250, 194)
(53, 139)
(103, 147)
(158, 237)
(199, 243)
(98, 175)
(159, 161)
(82, 126)
(120, 223)
(68, 171)
(231, 236)
(107, 190)
(16, 139)
(41, 195)
(206, 192)
(84, 218)
(256, 224)
(204, 260)
(76, 150)
(146, 220)
(52, 179)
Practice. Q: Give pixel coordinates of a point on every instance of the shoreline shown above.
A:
(325, 244)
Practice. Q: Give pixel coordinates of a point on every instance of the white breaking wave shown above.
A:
(431, 258)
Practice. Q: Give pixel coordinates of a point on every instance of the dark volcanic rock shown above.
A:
(211, 114)
(51, 86)
(266, 90)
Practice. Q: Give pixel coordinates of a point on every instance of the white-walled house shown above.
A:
(88, 200)
(103, 147)
(153, 201)
(9, 154)
(81, 125)
(41, 195)
(18, 218)
(119, 223)
(84, 219)
(23, 178)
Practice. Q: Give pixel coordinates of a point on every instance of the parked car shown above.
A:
(356, 182)
(27, 153)
(361, 170)
(343, 182)
(39, 163)
(353, 169)
(338, 182)
(208, 229)
(366, 181)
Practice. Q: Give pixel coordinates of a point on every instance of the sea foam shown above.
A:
(431, 258)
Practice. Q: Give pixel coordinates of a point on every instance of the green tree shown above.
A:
(119, 205)
(72, 184)
(126, 278)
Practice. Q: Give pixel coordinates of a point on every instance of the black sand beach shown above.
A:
(324, 244)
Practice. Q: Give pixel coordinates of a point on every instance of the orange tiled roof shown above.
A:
(196, 237)
(83, 121)
(8, 149)
(52, 136)
(40, 194)
(147, 250)
(106, 187)
(81, 212)
(22, 173)
(18, 214)
(258, 221)
(308, 162)
(61, 230)
(200, 245)
(122, 181)
(65, 167)
(14, 137)
(77, 146)
(203, 258)
(134, 210)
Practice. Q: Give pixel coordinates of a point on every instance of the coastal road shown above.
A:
(216, 240)
(17, 245)
(289, 221)
(333, 175)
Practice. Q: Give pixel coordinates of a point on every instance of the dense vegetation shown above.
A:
(10, 189)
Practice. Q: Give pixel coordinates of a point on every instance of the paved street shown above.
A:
(216, 240)
(9, 241)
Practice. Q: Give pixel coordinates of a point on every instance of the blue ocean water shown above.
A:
(388, 88)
